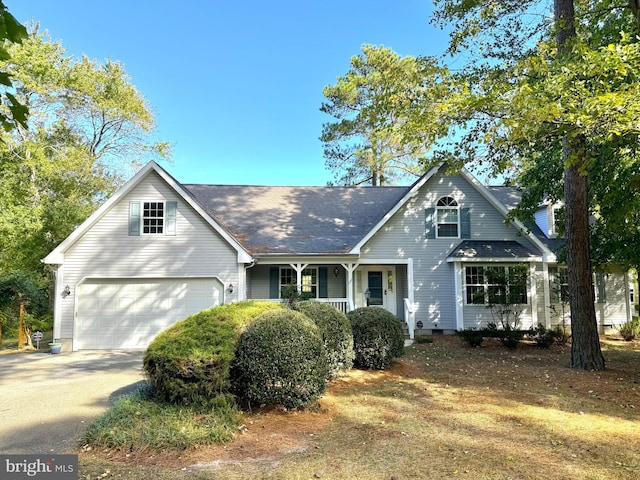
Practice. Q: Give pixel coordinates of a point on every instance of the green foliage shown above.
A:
(372, 139)
(335, 329)
(138, 421)
(280, 360)
(13, 113)
(422, 340)
(630, 330)
(471, 336)
(189, 362)
(290, 294)
(377, 337)
(87, 121)
(21, 287)
(543, 336)
(509, 335)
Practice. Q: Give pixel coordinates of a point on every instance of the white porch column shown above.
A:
(410, 286)
(350, 268)
(299, 267)
(458, 280)
(546, 294)
(534, 294)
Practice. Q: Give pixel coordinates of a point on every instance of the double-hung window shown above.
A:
(558, 284)
(309, 280)
(447, 217)
(152, 218)
(485, 285)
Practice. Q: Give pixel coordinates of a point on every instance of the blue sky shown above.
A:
(236, 86)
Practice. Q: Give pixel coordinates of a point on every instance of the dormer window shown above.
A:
(447, 218)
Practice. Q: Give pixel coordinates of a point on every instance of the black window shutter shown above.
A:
(274, 282)
(429, 226)
(465, 223)
(323, 280)
(600, 285)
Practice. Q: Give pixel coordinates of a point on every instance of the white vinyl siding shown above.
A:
(107, 251)
(403, 237)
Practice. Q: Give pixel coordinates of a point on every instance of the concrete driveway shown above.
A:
(47, 401)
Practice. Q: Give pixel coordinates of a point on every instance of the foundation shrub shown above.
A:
(280, 360)
(630, 330)
(471, 336)
(377, 337)
(189, 362)
(336, 333)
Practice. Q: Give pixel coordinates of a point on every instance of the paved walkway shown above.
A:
(47, 401)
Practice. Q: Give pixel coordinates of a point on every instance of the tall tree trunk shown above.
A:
(585, 342)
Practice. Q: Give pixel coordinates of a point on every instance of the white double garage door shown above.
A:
(129, 313)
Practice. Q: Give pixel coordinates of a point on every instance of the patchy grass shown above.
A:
(139, 422)
(443, 411)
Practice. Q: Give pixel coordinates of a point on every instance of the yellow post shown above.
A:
(21, 339)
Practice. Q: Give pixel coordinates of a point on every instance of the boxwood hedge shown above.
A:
(280, 360)
(189, 362)
(377, 337)
(336, 333)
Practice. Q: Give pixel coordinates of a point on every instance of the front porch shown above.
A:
(345, 286)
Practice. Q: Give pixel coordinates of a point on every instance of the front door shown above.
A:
(379, 288)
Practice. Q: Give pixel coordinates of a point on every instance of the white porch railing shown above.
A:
(341, 304)
(409, 318)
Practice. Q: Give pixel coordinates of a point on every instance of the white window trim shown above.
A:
(142, 217)
(485, 285)
(294, 280)
(437, 221)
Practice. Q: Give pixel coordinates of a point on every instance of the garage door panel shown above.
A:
(121, 314)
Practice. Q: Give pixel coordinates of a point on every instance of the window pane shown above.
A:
(475, 295)
(497, 294)
(153, 217)
(448, 230)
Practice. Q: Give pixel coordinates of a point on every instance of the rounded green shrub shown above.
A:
(336, 333)
(377, 337)
(280, 360)
(189, 362)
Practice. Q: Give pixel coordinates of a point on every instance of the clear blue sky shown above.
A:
(236, 86)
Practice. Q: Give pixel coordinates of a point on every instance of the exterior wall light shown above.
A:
(66, 292)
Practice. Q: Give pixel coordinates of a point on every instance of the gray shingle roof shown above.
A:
(492, 249)
(296, 220)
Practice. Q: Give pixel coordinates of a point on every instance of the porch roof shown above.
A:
(503, 250)
(296, 220)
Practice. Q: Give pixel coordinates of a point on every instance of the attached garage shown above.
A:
(129, 313)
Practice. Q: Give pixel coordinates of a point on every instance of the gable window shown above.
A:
(152, 218)
(447, 218)
(486, 285)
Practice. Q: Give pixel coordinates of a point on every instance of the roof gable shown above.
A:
(497, 202)
(57, 255)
